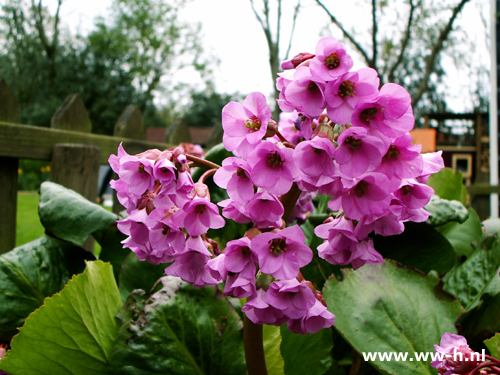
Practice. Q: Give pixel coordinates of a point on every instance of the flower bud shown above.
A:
(272, 129)
(296, 60)
(462, 360)
(324, 131)
(149, 154)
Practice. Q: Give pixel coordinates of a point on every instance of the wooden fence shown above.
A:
(75, 154)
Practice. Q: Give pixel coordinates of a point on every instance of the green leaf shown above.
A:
(136, 274)
(443, 211)
(493, 345)
(272, 341)
(389, 308)
(30, 273)
(465, 237)
(470, 280)
(419, 246)
(448, 184)
(482, 321)
(69, 216)
(306, 354)
(73, 332)
(181, 330)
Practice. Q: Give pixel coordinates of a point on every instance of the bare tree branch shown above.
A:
(295, 14)
(265, 27)
(374, 35)
(438, 46)
(347, 34)
(404, 43)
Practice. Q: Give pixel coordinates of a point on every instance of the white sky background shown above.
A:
(231, 32)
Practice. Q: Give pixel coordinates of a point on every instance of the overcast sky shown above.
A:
(232, 33)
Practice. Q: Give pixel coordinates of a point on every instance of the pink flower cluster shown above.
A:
(168, 214)
(339, 136)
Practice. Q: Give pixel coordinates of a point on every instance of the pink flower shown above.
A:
(344, 94)
(390, 113)
(191, 267)
(242, 284)
(402, 160)
(197, 216)
(433, 163)
(259, 311)
(245, 124)
(239, 254)
(306, 93)
(265, 210)
(365, 253)
(234, 176)
(331, 60)
(291, 297)
(315, 157)
(316, 318)
(358, 151)
(414, 195)
(273, 168)
(368, 195)
(340, 241)
(234, 211)
(282, 254)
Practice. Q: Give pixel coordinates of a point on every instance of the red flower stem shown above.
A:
(492, 359)
(495, 370)
(199, 162)
(254, 348)
(206, 174)
(288, 200)
(284, 140)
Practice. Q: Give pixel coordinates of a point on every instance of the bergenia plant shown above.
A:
(339, 135)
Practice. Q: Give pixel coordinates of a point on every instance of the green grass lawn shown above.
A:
(28, 226)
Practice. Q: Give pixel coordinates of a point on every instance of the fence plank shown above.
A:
(130, 124)
(75, 166)
(35, 142)
(9, 111)
(72, 115)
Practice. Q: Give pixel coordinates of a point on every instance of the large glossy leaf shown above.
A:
(181, 330)
(419, 246)
(73, 332)
(30, 273)
(448, 184)
(69, 216)
(465, 237)
(306, 354)
(272, 341)
(389, 308)
(471, 279)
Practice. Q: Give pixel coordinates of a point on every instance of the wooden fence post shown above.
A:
(10, 111)
(75, 166)
(129, 125)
